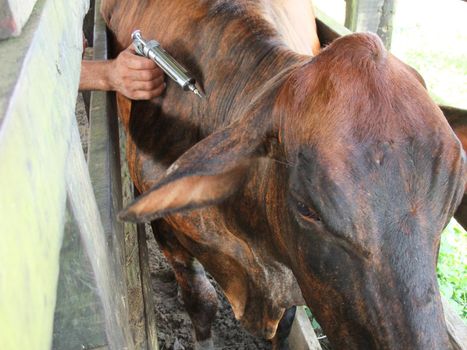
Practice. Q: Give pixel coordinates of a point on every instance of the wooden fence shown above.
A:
(63, 278)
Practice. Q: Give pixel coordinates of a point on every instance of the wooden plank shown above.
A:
(104, 157)
(105, 245)
(37, 96)
(104, 169)
(88, 32)
(385, 25)
(457, 329)
(150, 316)
(101, 47)
(136, 304)
(302, 336)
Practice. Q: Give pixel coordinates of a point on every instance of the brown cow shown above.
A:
(329, 177)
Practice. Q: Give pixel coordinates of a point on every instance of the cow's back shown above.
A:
(293, 19)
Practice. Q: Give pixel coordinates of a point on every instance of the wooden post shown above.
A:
(351, 10)
(385, 25)
(371, 15)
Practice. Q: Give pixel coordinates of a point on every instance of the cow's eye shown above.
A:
(307, 212)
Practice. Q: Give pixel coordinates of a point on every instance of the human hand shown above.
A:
(136, 77)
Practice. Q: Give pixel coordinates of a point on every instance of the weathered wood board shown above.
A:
(40, 72)
(371, 15)
(456, 327)
(141, 306)
(107, 323)
(302, 336)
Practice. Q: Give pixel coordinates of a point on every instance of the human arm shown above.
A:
(133, 76)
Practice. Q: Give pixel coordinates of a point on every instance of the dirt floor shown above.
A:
(174, 325)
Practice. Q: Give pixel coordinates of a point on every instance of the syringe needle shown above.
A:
(199, 93)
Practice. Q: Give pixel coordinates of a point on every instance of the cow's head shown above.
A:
(367, 173)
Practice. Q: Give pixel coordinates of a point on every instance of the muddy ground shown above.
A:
(174, 325)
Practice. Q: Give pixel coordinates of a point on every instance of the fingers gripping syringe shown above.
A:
(153, 50)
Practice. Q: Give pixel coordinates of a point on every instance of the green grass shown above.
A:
(452, 267)
(431, 36)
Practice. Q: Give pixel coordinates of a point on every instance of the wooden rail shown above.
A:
(125, 284)
(62, 281)
(38, 135)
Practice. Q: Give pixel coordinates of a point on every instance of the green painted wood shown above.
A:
(302, 335)
(36, 114)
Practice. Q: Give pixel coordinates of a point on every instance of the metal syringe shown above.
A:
(153, 50)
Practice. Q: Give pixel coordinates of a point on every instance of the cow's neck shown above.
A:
(257, 75)
(231, 47)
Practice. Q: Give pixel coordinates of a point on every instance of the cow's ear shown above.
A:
(206, 174)
(413, 71)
